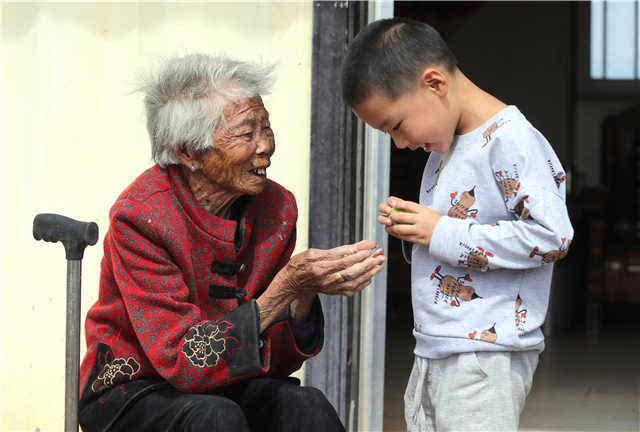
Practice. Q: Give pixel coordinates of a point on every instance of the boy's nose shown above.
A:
(399, 142)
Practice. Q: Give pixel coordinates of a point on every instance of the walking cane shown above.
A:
(75, 236)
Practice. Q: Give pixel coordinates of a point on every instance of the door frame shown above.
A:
(349, 176)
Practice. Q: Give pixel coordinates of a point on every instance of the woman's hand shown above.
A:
(344, 270)
(408, 220)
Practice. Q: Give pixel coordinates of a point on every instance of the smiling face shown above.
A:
(242, 149)
(421, 118)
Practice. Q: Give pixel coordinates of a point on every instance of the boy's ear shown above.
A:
(434, 80)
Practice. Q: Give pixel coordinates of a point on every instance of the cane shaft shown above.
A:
(74, 277)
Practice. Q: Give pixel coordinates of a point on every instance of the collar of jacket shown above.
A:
(222, 229)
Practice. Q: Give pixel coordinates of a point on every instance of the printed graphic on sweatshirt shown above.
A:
(204, 344)
(488, 335)
(521, 209)
(452, 290)
(437, 173)
(461, 206)
(475, 258)
(554, 255)
(521, 315)
(488, 134)
(508, 182)
(558, 176)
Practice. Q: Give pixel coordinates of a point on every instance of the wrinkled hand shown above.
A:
(413, 222)
(344, 270)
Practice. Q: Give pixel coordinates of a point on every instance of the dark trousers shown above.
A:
(260, 404)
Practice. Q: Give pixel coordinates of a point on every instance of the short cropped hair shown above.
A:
(388, 56)
(184, 100)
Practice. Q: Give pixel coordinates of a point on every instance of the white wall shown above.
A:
(73, 136)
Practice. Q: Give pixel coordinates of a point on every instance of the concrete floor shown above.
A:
(398, 363)
(585, 386)
(580, 385)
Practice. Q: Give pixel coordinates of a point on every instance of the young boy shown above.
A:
(491, 221)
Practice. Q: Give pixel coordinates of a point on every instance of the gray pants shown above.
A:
(483, 391)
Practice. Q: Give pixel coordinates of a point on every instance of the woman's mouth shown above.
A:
(260, 172)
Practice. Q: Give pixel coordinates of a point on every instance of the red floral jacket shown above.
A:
(177, 288)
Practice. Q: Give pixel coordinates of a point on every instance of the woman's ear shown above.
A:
(187, 158)
(434, 80)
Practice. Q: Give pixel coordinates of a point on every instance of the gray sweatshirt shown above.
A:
(483, 283)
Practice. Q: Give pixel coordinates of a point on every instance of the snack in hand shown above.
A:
(394, 210)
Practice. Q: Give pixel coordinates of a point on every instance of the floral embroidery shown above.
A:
(118, 370)
(204, 345)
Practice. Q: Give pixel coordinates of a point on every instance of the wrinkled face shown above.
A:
(417, 119)
(242, 150)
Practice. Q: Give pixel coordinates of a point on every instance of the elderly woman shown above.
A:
(202, 312)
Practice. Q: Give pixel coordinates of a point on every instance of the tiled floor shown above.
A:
(579, 386)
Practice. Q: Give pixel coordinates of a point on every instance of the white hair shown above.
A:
(184, 101)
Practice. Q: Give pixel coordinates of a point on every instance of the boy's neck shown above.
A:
(476, 106)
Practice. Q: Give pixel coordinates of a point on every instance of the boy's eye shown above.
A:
(397, 126)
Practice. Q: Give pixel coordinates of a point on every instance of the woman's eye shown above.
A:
(247, 135)
(396, 127)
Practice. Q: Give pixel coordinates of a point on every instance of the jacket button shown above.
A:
(242, 268)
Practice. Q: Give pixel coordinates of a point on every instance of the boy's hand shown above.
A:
(408, 220)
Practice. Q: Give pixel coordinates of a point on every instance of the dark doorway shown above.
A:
(528, 54)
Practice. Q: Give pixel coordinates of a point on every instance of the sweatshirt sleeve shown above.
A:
(529, 178)
(193, 354)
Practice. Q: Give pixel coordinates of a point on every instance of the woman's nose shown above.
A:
(266, 144)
